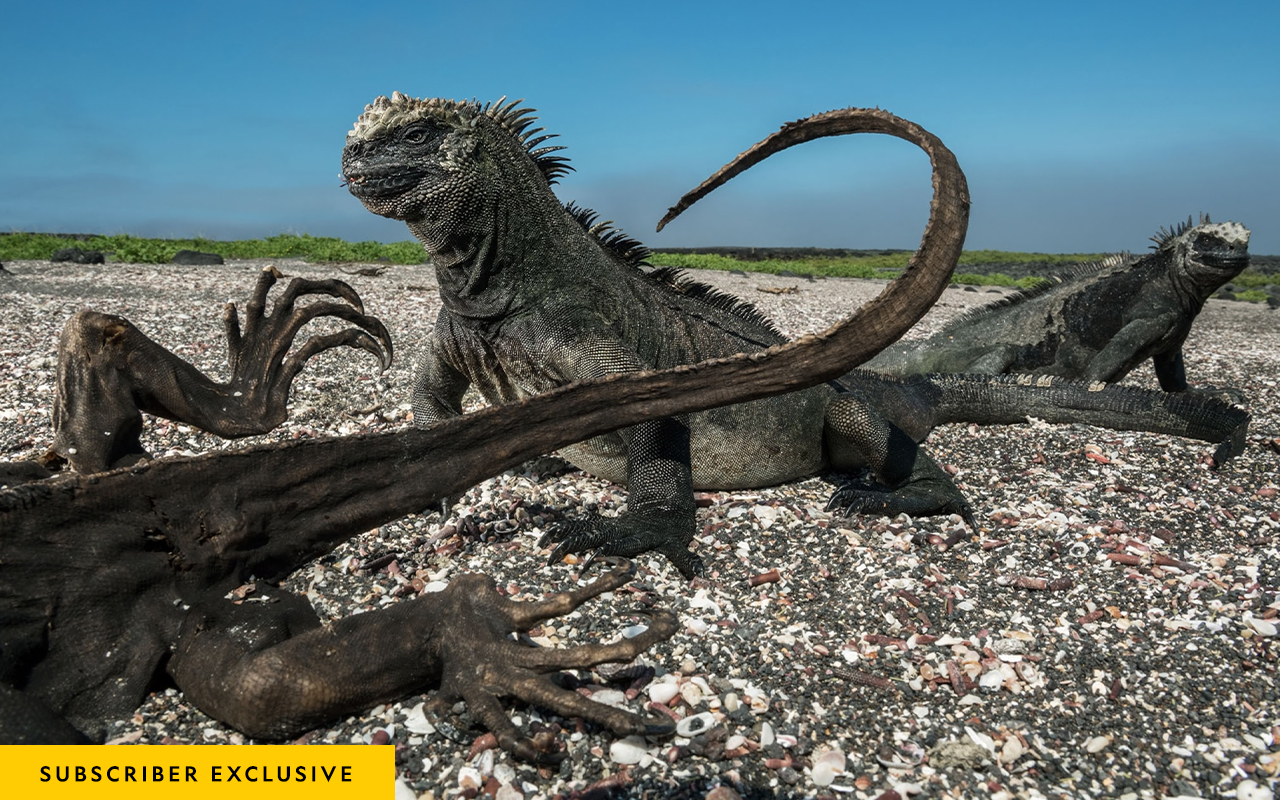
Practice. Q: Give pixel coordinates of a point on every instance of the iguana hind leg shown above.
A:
(912, 482)
(270, 669)
(109, 371)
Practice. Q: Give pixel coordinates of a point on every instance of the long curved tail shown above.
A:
(883, 320)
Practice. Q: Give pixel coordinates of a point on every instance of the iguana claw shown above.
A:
(626, 536)
(852, 498)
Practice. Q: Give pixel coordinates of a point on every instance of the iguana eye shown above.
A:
(418, 134)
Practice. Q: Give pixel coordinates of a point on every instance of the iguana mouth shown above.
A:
(377, 184)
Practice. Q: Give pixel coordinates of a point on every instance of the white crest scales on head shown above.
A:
(388, 113)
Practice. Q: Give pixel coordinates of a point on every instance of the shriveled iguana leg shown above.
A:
(913, 483)
(109, 371)
(660, 515)
(273, 671)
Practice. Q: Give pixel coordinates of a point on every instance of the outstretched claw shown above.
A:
(108, 372)
(483, 664)
(627, 535)
(273, 671)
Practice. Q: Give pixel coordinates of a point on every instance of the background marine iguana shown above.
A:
(1094, 323)
(536, 295)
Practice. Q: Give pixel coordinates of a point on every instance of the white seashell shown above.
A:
(1097, 744)
(628, 751)
(416, 722)
(484, 763)
(663, 692)
(697, 627)
(700, 600)
(1012, 750)
(734, 742)
(435, 586)
(505, 773)
(610, 697)
(823, 774)
(691, 693)
(731, 702)
(634, 631)
(766, 735)
(403, 792)
(827, 766)
(1252, 790)
(469, 778)
(992, 679)
(1262, 627)
(981, 739)
(508, 791)
(693, 725)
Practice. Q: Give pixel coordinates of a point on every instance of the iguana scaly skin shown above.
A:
(536, 295)
(1095, 323)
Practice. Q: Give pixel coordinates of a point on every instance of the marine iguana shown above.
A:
(537, 295)
(1094, 323)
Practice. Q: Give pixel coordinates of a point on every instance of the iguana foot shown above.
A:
(483, 664)
(273, 671)
(630, 534)
(109, 371)
(928, 492)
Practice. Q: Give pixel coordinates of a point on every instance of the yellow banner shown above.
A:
(196, 772)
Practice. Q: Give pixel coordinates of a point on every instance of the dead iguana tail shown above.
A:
(920, 403)
(944, 234)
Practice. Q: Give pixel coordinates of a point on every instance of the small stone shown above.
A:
(731, 702)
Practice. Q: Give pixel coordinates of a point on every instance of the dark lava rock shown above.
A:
(194, 258)
(79, 256)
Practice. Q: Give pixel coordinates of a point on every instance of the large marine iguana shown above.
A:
(536, 295)
(1095, 322)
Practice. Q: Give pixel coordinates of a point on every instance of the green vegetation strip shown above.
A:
(133, 249)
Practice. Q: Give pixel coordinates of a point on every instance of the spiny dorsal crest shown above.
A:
(1075, 272)
(678, 281)
(1166, 236)
(388, 113)
(628, 250)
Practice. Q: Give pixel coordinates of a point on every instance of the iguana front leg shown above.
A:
(913, 483)
(273, 671)
(109, 372)
(660, 515)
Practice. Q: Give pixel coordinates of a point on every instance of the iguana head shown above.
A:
(1208, 255)
(437, 164)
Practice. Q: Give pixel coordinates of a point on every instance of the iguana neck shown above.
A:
(504, 257)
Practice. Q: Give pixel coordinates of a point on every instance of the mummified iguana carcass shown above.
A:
(104, 575)
(537, 296)
(1096, 322)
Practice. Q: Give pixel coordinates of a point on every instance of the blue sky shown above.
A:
(1081, 127)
